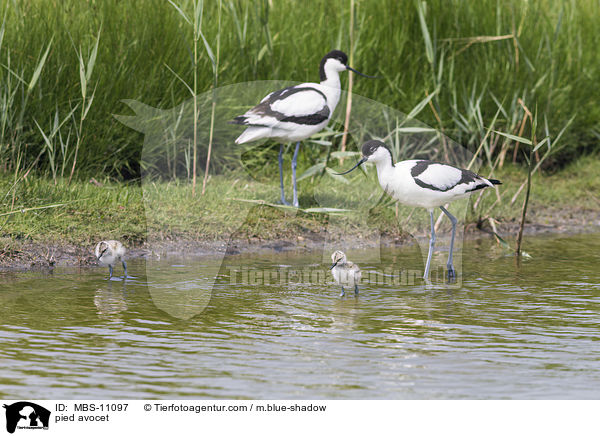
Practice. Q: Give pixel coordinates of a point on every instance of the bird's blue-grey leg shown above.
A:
(451, 272)
(355, 289)
(343, 293)
(125, 269)
(281, 175)
(294, 166)
(431, 245)
(110, 271)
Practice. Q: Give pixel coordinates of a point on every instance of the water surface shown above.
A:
(509, 331)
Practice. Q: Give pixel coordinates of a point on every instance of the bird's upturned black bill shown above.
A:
(360, 162)
(359, 73)
(333, 266)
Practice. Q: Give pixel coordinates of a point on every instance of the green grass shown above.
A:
(88, 213)
(554, 196)
(547, 57)
(84, 212)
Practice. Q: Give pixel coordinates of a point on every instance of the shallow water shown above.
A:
(526, 331)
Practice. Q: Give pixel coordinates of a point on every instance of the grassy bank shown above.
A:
(67, 65)
(84, 212)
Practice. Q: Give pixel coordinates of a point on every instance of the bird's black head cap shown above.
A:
(334, 54)
(368, 149)
(372, 146)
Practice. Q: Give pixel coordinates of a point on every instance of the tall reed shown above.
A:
(475, 57)
(215, 66)
(350, 79)
(196, 23)
(85, 74)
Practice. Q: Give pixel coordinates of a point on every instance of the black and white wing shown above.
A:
(297, 104)
(447, 178)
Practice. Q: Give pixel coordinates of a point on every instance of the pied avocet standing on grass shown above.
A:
(423, 183)
(109, 253)
(296, 113)
(345, 272)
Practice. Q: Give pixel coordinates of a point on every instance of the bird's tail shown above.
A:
(494, 182)
(253, 134)
(239, 120)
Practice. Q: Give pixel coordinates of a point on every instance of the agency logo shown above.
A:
(26, 415)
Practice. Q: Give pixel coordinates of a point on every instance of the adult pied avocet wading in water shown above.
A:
(423, 183)
(109, 253)
(295, 113)
(345, 272)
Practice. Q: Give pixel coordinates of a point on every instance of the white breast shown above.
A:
(332, 90)
(346, 276)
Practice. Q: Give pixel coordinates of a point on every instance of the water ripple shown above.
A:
(529, 331)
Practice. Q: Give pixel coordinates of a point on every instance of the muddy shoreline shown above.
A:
(39, 256)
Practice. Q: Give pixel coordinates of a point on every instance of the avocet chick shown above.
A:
(344, 272)
(109, 253)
